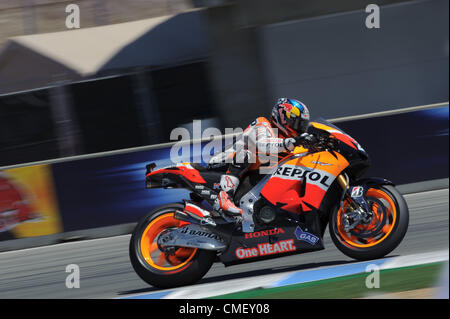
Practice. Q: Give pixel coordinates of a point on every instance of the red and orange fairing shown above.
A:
(318, 170)
(183, 169)
(345, 138)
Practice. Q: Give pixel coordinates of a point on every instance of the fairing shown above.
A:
(303, 181)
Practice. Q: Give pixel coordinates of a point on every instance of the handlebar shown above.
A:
(321, 142)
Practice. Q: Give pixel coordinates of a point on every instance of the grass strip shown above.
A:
(352, 286)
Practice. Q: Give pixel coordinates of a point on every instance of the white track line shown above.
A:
(242, 284)
(416, 259)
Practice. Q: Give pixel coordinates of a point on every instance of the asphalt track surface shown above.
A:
(106, 272)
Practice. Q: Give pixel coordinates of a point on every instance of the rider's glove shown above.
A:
(306, 140)
(289, 143)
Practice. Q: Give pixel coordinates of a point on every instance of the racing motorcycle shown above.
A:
(285, 212)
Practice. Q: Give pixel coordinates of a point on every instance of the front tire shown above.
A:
(385, 232)
(183, 266)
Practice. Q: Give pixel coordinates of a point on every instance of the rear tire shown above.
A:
(194, 264)
(383, 246)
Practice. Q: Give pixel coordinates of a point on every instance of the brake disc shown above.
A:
(380, 224)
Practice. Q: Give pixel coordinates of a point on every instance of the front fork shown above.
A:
(360, 211)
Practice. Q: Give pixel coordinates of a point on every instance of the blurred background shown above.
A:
(135, 71)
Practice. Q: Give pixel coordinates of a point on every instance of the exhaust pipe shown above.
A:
(189, 217)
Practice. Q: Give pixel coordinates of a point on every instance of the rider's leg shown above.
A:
(230, 182)
(224, 201)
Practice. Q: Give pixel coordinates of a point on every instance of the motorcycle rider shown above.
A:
(289, 118)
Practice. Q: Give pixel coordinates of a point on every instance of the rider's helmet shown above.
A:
(290, 116)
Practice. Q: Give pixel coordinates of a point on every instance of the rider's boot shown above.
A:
(224, 201)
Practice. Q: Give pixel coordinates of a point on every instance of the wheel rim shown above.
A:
(151, 252)
(384, 218)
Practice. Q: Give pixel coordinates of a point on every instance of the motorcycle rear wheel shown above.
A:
(382, 235)
(182, 266)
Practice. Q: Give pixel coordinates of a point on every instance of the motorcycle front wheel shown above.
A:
(380, 236)
(161, 267)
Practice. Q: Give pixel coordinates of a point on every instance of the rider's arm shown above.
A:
(267, 143)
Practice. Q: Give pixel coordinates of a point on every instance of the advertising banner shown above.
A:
(405, 148)
(28, 204)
